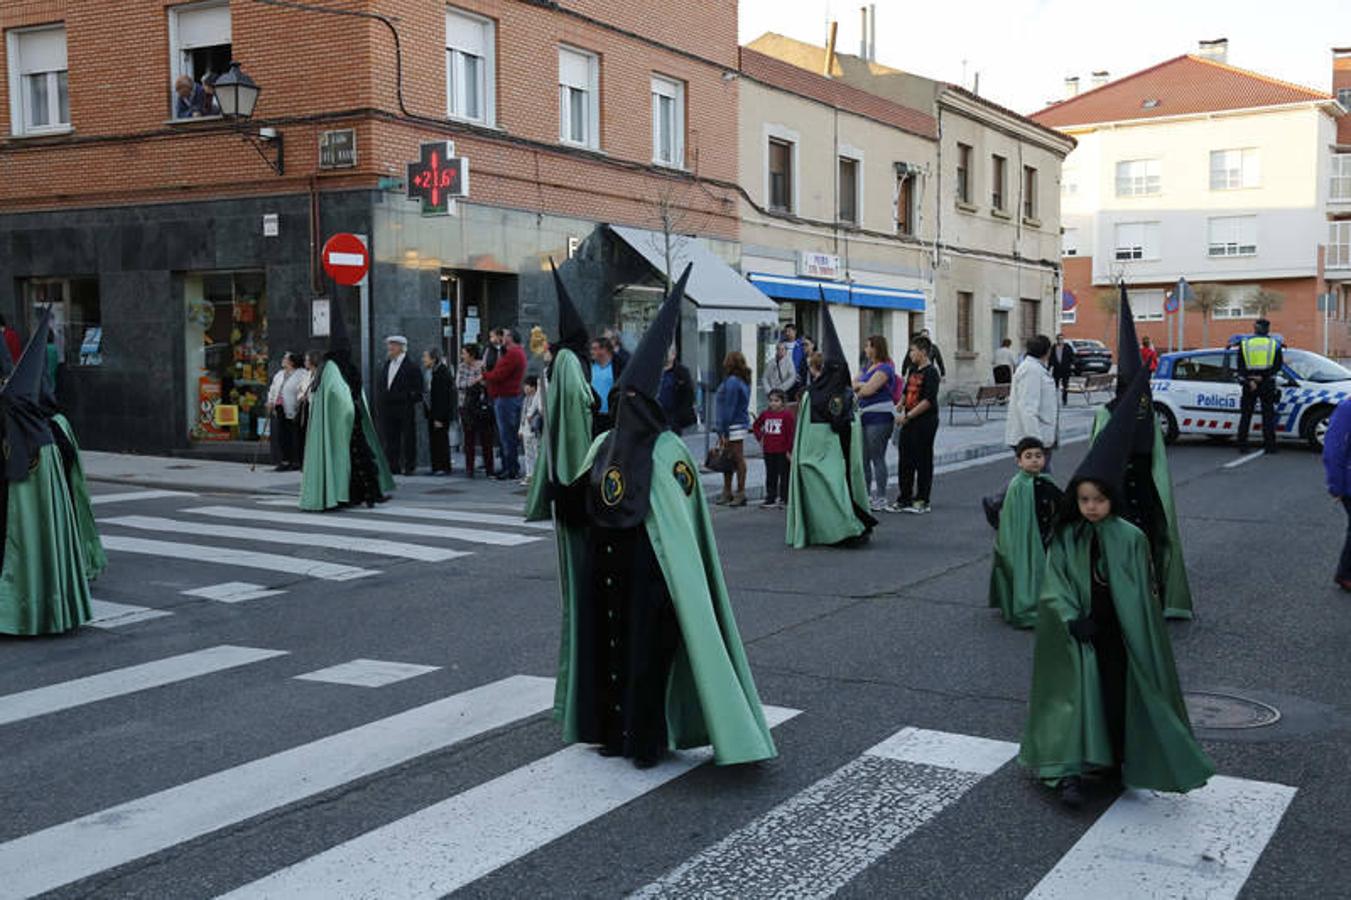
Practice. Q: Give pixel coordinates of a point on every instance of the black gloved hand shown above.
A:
(1083, 629)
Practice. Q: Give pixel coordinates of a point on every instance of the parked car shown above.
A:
(1091, 356)
(1198, 392)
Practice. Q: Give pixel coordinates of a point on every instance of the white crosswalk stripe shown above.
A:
(342, 521)
(119, 682)
(373, 546)
(452, 843)
(454, 515)
(227, 556)
(117, 615)
(99, 499)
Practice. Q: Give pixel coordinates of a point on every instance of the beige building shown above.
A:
(983, 183)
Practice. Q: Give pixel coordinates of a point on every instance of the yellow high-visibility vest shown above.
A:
(1259, 352)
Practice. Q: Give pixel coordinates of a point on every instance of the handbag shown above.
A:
(719, 459)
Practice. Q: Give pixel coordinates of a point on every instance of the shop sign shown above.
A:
(438, 178)
(811, 264)
(338, 149)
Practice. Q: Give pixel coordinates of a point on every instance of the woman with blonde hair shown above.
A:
(733, 421)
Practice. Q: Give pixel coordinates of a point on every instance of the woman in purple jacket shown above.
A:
(1337, 465)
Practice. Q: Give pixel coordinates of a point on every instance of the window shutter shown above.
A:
(466, 34)
(574, 70)
(203, 27)
(42, 51)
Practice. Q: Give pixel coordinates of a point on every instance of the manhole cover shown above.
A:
(1209, 710)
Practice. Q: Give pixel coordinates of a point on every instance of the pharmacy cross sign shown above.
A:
(438, 178)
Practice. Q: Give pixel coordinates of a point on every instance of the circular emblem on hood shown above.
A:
(612, 486)
(836, 404)
(684, 476)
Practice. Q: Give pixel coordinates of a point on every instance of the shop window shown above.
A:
(76, 321)
(227, 355)
(39, 96)
(199, 45)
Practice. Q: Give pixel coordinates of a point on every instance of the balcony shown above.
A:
(1339, 245)
(1339, 184)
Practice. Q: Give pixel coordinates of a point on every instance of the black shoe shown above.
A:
(609, 751)
(645, 762)
(1071, 792)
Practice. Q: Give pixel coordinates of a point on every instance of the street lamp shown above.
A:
(237, 95)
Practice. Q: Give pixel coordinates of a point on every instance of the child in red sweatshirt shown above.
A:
(774, 429)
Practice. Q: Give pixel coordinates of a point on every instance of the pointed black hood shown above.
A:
(26, 430)
(572, 334)
(1128, 367)
(340, 346)
(832, 393)
(1107, 458)
(621, 476)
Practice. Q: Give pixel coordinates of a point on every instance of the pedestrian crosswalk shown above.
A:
(812, 844)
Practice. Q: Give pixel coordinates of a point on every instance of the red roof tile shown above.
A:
(1185, 84)
(777, 73)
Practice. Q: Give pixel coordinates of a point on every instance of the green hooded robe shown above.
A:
(1019, 554)
(710, 696)
(1067, 732)
(1169, 568)
(822, 491)
(44, 588)
(327, 471)
(95, 560)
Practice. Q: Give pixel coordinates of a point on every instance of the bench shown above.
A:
(1088, 385)
(981, 400)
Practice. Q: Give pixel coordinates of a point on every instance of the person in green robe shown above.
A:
(344, 464)
(1105, 698)
(95, 559)
(651, 658)
(1147, 488)
(1026, 524)
(827, 493)
(44, 587)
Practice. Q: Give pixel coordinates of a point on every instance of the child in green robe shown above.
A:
(1026, 524)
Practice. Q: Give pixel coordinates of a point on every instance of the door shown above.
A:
(1207, 395)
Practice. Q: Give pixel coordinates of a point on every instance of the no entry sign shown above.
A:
(346, 259)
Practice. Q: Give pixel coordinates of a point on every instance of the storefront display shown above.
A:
(226, 341)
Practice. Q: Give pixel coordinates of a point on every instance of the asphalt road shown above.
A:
(173, 782)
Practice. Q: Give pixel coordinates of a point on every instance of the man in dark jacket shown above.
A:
(1062, 366)
(399, 389)
(676, 395)
(439, 404)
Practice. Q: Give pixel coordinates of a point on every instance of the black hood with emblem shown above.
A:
(831, 394)
(26, 428)
(1129, 364)
(621, 475)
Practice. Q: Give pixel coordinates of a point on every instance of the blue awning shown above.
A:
(788, 287)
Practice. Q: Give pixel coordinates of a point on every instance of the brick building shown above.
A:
(182, 252)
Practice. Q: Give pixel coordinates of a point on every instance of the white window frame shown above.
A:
(1069, 242)
(1069, 316)
(1339, 245)
(1339, 183)
(457, 50)
(1235, 306)
(19, 91)
(1242, 173)
(1344, 98)
(672, 89)
(1139, 178)
(1147, 305)
(591, 140)
(176, 48)
(1145, 248)
(1231, 236)
(787, 136)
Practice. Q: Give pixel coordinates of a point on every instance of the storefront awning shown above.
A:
(787, 287)
(718, 292)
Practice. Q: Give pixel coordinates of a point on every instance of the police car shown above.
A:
(1198, 392)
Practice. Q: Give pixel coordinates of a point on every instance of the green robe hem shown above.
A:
(95, 559)
(1019, 556)
(822, 490)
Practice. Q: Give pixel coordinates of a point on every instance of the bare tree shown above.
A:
(1109, 301)
(1206, 298)
(669, 214)
(1264, 302)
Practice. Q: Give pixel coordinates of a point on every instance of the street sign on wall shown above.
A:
(338, 149)
(346, 259)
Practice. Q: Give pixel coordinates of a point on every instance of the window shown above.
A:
(1203, 367)
(1340, 188)
(199, 45)
(225, 339)
(1069, 183)
(963, 173)
(1344, 98)
(668, 122)
(999, 328)
(76, 316)
(997, 168)
(1069, 316)
(1233, 236)
(1069, 242)
(848, 190)
(1029, 192)
(578, 97)
(1233, 169)
(1137, 240)
(1147, 305)
(1029, 314)
(780, 175)
(39, 96)
(471, 67)
(966, 302)
(905, 204)
(1138, 178)
(1235, 304)
(1339, 245)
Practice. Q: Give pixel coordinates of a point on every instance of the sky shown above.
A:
(1024, 49)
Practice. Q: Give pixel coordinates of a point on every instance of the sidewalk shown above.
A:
(966, 442)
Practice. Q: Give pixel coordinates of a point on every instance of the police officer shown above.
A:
(1259, 359)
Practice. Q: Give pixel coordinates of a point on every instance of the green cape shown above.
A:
(1019, 557)
(822, 491)
(43, 585)
(1169, 569)
(95, 560)
(1067, 732)
(567, 411)
(327, 469)
(710, 697)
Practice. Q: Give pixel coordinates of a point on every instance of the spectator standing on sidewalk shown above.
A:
(1337, 468)
(676, 395)
(918, 424)
(774, 429)
(283, 401)
(504, 389)
(532, 426)
(439, 404)
(1148, 355)
(780, 371)
(1033, 408)
(734, 420)
(876, 387)
(604, 375)
(617, 349)
(1062, 366)
(476, 411)
(11, 338)
(1005, 361)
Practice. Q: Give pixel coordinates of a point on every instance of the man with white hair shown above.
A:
(399, 391)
